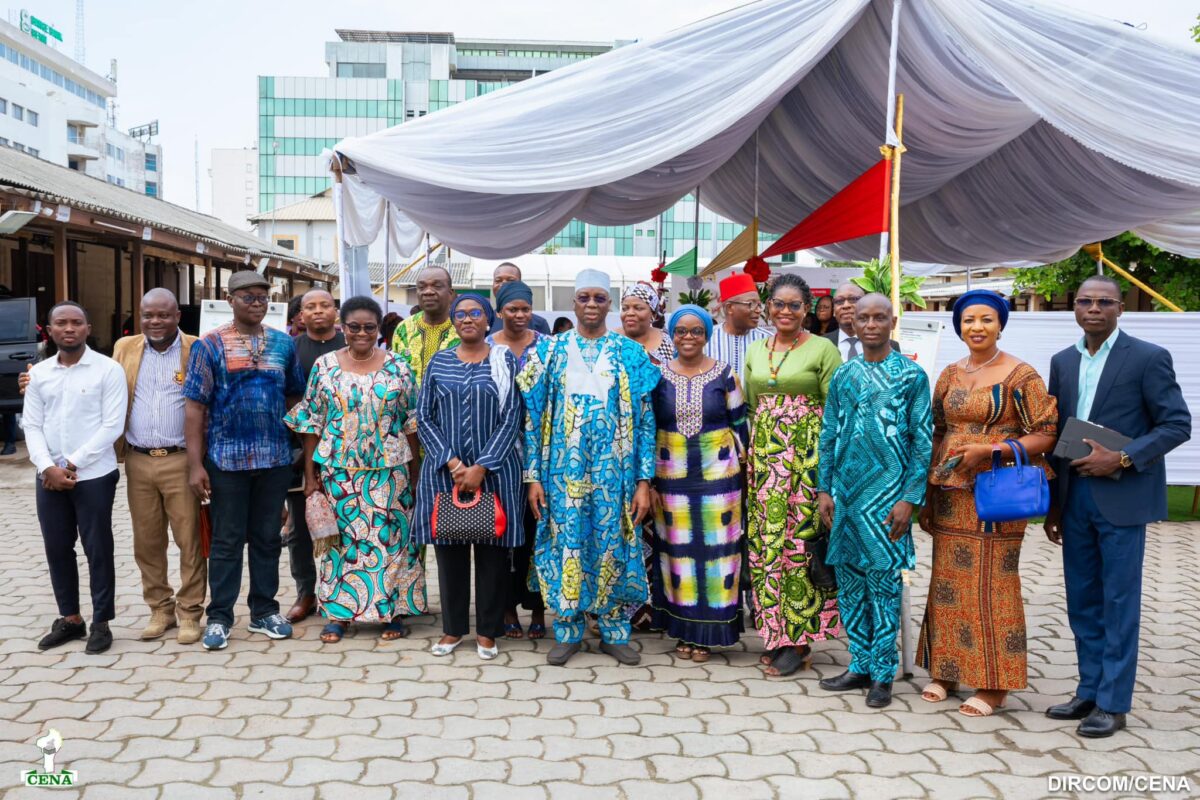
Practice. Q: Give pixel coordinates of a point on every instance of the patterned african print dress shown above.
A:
(974, 628)
(589, 439)
(375, 571)
(785, 428)
(702, 436)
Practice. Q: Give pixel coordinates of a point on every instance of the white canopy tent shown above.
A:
(1030, 128)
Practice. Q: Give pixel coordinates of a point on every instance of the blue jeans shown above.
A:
(246, 508)
(1102, 567)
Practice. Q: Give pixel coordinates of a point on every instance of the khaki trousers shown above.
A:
(158, 492)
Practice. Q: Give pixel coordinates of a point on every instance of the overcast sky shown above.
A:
(192, 66)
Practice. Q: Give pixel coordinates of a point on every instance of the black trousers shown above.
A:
(84, 512)
(300, 548)
(491, 588)
(519, 558)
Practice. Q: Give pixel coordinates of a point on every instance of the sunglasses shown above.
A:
(752, 305)
(795, 306)
(845, 301)
(252, 299)
(599, 298)
(361, 327)
(698, 332)
(1088, 302)
(473, 313)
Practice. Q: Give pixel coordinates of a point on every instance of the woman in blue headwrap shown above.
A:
(514, 305)
(469, 416)
(702, 440)
(974, 628)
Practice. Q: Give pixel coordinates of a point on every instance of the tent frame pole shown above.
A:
(894, 212)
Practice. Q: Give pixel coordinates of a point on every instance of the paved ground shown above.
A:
(367, 719)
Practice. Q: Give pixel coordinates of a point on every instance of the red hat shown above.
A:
(735, 284)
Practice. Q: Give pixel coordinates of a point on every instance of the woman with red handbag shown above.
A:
(469, 493)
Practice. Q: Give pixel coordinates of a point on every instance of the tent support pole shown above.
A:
(894, 212)
(387, 256)
(1096, 252)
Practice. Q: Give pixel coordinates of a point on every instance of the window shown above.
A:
(152, 188)
(3, 141)
(250, 169)
(249, 184)
(18, 112)
(74, 134)
(3, 106)
(349, 69)
(33, 151)
(32, 118)
(151, 162)
(286, 242)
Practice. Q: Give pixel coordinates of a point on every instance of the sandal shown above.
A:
(683, 651)
(768, 657)
(537, 630)
(789, 662)
(396, 629)
(700, 655)
(934, 693)
(333, 633)
(513, 630)
(979, 708)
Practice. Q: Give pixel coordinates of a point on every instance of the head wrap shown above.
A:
(593, 279)
(513, 290)
(695, 311)
(980, 297)
(488, 313)
(735, 284)
(642, 292)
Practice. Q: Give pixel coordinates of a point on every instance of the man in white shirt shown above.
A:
(74, 412)
(844, 300)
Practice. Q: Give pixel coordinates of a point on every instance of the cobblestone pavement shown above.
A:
(368, 719)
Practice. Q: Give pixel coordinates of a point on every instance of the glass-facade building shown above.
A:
(377, 79)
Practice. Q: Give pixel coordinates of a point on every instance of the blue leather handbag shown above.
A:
(1008, 494)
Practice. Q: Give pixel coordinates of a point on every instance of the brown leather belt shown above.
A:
(157, 452)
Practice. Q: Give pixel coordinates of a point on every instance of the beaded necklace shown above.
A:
(773, 380)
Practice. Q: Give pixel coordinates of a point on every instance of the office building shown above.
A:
(56, 109)
(234, 176)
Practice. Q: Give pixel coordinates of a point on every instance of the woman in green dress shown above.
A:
(787, 378)
(358, 423)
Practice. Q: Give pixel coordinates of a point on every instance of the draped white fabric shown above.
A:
(1031, 129)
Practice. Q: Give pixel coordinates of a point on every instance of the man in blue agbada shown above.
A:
(876, 444)
(589, 458)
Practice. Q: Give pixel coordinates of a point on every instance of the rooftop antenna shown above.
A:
(112, 101)
(80, 50)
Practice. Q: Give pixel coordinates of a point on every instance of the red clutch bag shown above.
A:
(480, 520)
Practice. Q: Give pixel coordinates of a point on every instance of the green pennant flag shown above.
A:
(684, 265)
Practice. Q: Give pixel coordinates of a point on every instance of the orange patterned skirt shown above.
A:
(974, 627)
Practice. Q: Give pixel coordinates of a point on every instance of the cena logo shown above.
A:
(49, 746)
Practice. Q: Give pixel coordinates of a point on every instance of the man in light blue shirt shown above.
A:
(1091, 367)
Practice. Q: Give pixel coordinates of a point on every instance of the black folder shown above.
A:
(1071, 445)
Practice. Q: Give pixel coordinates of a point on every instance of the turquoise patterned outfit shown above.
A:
(589, 439)
(375, 571)
(876, 443)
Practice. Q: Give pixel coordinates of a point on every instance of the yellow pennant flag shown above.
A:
(739, 251)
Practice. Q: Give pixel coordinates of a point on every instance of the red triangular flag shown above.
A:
(858, 210)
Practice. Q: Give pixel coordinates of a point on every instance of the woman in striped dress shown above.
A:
(469, 413)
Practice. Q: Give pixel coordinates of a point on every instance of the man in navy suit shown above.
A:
(1128, 385)
(844, 301)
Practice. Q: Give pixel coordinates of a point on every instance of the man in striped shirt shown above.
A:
(742, 309)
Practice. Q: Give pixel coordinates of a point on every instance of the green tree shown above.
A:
(1196, 30)
(1173, 276)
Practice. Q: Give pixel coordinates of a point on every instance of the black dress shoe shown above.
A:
(845, 682)
(101, 638)
(1100, 724)
(62, 632)
(1075, 708)
(880, 695)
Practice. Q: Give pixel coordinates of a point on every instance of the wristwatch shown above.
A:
(1126, 461)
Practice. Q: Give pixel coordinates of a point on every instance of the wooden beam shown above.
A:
(61, 271)
(138, 285)
(208, 279)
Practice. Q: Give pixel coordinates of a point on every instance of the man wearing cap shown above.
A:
(844, 301)
(242, 378)
(507, 273)
(589, 459)
(742, 308)
(428, 330)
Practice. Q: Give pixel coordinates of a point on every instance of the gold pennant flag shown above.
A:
(739, 251)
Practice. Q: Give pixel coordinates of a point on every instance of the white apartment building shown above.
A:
(57, 109)
(234, 175)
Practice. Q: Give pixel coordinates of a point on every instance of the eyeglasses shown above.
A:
(795, 306)
(473, 313)
(1087, 302)
(584, 298)
(698, 332)
(252, 299)
(360, 327)
(751, 305)
(845, 301)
